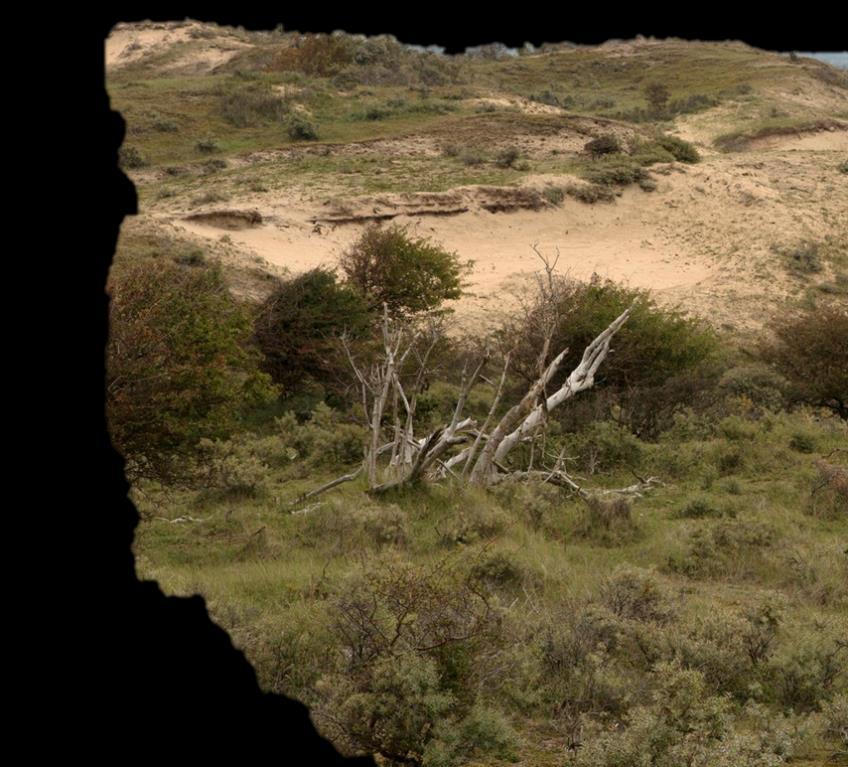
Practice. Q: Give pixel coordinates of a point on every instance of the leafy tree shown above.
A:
(298, 324)
(810, 350)
(179, 363)
(408, 274)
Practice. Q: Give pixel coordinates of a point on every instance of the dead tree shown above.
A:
(459, 448)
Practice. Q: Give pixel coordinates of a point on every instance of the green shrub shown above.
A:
(299, 128)
(507, 157)
(251, 104)
(604, 445)
(608, 521)
(392, 713)
(725, 548)
(129, 158)
(835, 715)
(650, 153)
(474, 522)
(180, 363)
(386, 525)
(683, 724)
(803, 442)
(662, 361)
(805, 673)
(632, 593)
(657, 95)
(553, 194)
(471, 156)
(803, 258)
(207, 146)
(681, 150)
(165, 126)
(843, 167)
(232, 466)
(603, 145)
(297, 325)
(698, 509)
(757, 383)
(615, 170)
(408, 639)
(484, 732)
(808, 350)
(407, 274)
(590, 193)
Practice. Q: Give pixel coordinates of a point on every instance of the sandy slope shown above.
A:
(703, 239)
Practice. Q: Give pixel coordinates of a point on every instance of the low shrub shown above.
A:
(507, 157)
(252, 104)
(603, 145)
(723, 549)
(300, 128)
(614, 170)
(207, 146)
(590, 193)
(129, 158)
(554, 194)
(632, 593)
(679, 149)
(699, 508)
(232, 466)
(803, 258)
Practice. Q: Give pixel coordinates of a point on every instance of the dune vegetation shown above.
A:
(601, 520)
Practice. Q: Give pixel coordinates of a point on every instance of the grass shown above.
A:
(261, 567)
(272, 578)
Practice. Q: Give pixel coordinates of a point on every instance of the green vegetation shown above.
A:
(701, 621)
(298, 324)
(180, 365)
(406, 274)
(447, 624)
(810, 350)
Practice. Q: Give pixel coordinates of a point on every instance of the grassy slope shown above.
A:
(266, 571)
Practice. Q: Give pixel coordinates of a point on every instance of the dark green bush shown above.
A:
(662, 360)
(590, 193)
(299, 128)
(678, 148)
(507, 157)
(605, 144)
(298, 325)
(207, 146)
(554, 194)
(809, 350)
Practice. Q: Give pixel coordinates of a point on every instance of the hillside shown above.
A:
(771, 132)
(654, 572)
